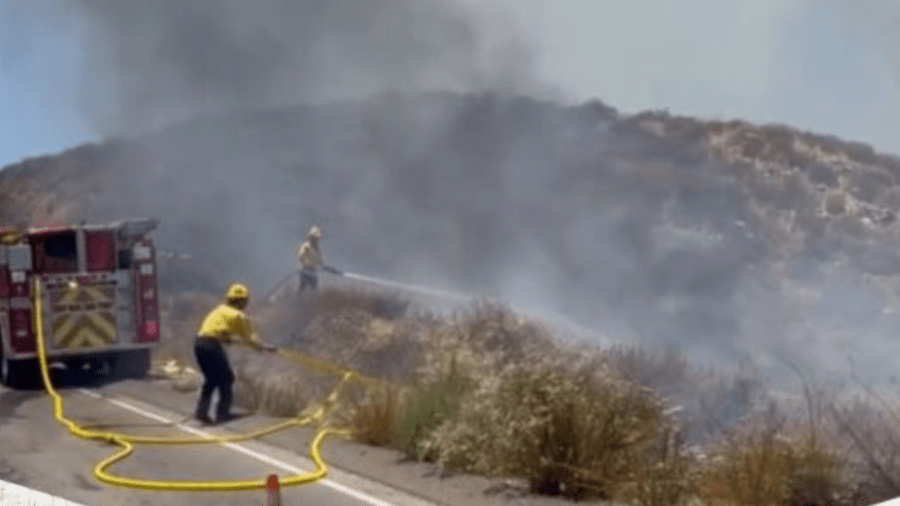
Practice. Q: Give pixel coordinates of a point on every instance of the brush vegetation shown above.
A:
(488, 391)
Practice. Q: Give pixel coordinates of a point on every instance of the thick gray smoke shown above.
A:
(474, 192)
(149, 63)
(240, 194)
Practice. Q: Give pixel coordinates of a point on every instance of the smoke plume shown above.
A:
(151, 63)
(258, 119)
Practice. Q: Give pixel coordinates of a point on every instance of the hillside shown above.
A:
(723, 239)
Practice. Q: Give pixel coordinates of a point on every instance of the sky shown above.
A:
(814, 64)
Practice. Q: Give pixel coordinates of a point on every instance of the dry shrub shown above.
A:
(449, 361)
(277, 389)
(667, 475)
(377, 303)
(425, 407)
(484, 336)
(289, 317)
(708, 401)
(870, 428)
(359, 341)
(374, 418)
(364, 330)
(761, 465)
(656, 369)
(565, 427)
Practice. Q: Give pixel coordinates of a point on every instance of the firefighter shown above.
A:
(220, 325)
(309, 256)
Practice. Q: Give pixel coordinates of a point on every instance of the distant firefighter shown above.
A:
(309, 256)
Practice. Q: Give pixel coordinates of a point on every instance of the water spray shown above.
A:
(557, 320)
(412, 288)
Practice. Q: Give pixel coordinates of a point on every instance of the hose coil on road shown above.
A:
(129, 441)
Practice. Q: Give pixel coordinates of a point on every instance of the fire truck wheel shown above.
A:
(21, 374)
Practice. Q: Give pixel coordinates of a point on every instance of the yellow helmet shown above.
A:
(315, 232)
(237, 291)
(10, 236)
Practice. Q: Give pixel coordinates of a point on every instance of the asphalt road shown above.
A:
(41, 454)
(38, 452)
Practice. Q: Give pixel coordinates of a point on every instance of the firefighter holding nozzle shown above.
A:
(310, 260)
(219, 328)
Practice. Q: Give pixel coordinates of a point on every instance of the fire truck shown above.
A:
(99, 299)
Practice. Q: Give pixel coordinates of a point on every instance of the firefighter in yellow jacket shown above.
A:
(218, 328)
(309, 256)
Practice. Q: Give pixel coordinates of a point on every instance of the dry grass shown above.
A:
(375, 416)
(761, 464)
(486, 391)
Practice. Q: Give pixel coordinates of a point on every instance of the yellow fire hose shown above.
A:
(128, 441)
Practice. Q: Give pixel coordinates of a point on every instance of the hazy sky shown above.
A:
(814, 64)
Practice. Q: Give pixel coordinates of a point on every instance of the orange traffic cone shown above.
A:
(273, 491)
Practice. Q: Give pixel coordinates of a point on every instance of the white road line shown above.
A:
(251, 453)
(13, 494)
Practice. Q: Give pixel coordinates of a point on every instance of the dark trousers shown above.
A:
(308, 279)
(217, 374)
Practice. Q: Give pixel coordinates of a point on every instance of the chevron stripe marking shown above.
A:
(85, 338)
(62, 326)
(70, 295)
(92, 328)
(105, 322)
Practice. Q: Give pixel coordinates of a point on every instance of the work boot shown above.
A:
(204, 418)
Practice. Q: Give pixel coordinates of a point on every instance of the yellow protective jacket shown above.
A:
(225, 321)
(309, 256)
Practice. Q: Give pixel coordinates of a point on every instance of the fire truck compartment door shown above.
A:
(125, 305)
(19, 257)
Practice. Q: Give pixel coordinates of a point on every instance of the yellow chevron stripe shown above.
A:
(63, 340)
(77, 327)
(96, 328)
(102, 323)
(85, 338)
(61, 328)
(97, 294)
(70, 294)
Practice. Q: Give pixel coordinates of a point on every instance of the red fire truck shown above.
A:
(99, 297)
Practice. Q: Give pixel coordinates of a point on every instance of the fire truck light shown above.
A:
(150, 329)
(73, 284)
